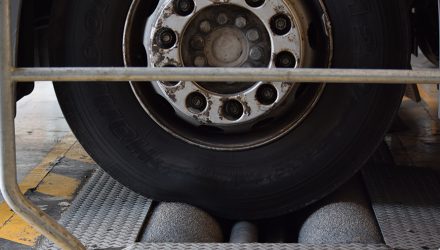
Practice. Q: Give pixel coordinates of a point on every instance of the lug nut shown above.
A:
(252, 35)
(256, 53)
(267, 94)
(240, 22)
(205, 26)
(222, 19)
(280, 24)
(285, 59)
(232, 110)
(255, 3)
(197, 43)
(165, 38)
(196, 102)
(183, 7)
(199, 61)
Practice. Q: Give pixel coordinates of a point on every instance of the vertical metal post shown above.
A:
(438, 100)
(8, 172)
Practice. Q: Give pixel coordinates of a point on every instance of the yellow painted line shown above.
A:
(429, 96)
(59, 186)
(15, 229)
(34, 177)
(5, 213)
(78, 153)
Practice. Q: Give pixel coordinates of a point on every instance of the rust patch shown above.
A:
(171, 92)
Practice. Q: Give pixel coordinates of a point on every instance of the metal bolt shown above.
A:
(256, 53)
(240, 22)
(280, 24)
(253, 35)
(165, 38)
(222, 19)
(232, 110)
(199, 61)
(197, 43)
(255, 3)
(183, 7)
(285, 59)
(205, 26)
(196, 102)
(267, 94)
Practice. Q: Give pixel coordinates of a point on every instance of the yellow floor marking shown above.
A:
(34, 177)
(429, 96)
(15, 229)
(58, 186)
(5, 213)
(78, 153)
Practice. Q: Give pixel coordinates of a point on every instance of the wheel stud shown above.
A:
(252, 35)
(183, 7)
(232, 110)
(165, 38)
(197, 43)
(199, 61)
(255, 3)
(240, 22)
(280, 24)
(256, 53)
(196, 102)
(205, 26)
(285, 59)
(222, 19)
(267, 94)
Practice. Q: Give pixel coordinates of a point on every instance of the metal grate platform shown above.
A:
(105, 214)
(168, 246)
(406, 202)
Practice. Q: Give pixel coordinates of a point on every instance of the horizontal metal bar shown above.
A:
(227, 74)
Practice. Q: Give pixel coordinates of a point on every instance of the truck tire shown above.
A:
(272, 177)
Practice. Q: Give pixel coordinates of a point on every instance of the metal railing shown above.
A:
(9, 75)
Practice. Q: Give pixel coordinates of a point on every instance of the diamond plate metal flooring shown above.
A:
(406, 203)
(105, 214)
(257, 246)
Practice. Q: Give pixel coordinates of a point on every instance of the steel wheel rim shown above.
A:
(209, 142)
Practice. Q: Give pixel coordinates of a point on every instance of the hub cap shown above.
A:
(233, 33)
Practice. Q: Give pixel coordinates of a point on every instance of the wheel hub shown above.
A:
(233, 33)
(226, 47)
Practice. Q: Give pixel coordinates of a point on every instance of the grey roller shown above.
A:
(244, 232)
(343, 218)
(181, 223)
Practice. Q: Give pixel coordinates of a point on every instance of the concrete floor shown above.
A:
(39, 126)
